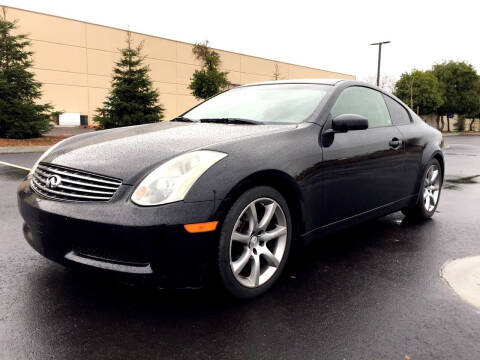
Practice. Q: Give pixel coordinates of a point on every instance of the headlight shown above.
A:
(172, 180)
(43, 156)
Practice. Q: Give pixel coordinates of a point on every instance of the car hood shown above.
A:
(128, 153)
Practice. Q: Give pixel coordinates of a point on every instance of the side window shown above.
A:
(397, 112)
(365, 102)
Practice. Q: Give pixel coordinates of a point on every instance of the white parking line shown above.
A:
(15, 166)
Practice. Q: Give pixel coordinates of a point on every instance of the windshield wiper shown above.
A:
(183, 119)
(231, 121)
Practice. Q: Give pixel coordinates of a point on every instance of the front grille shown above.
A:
(58, 182)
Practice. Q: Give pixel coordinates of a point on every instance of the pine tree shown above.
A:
(20, 115)
(209, 80)
(132, 100)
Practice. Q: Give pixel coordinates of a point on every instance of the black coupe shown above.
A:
(227, 188)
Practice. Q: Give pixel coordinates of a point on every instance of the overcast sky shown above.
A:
(331, 35)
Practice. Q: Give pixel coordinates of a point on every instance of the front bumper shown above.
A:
(120, 237)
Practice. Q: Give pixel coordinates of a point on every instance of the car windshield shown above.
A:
(279, 103)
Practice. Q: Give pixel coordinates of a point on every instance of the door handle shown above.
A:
(395, 143)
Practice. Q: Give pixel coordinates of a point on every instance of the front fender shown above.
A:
(288, 161)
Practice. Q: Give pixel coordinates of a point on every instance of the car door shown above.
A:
(362, 169)
(413, 146)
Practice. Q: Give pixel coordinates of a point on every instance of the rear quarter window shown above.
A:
(398, 113)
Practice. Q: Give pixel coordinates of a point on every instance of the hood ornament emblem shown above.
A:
(53, 181)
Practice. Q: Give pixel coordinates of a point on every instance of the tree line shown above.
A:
(446, 89)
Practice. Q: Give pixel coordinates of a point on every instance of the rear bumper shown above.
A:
(119, 237)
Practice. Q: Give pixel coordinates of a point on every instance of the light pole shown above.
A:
(379, 58)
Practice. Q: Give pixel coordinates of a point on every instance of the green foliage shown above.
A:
(473, 101)
(21, 116)
(132, 99)
(459, 83)
(208, 81)
(419, 89)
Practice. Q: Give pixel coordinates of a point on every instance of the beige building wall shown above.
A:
(74, 61)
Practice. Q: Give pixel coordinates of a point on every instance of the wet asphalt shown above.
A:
(371, 292)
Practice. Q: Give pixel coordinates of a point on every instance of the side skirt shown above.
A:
(383, 210)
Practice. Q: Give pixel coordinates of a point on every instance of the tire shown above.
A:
(429, 194)
(252, 254)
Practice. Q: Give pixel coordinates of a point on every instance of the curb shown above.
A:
(22, 149)
(461, 134)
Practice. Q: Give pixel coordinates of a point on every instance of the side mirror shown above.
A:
(346, 122)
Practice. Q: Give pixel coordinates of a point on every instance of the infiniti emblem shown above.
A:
(53, 181)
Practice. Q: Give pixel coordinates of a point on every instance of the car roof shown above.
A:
(332, 82)
(299, 81)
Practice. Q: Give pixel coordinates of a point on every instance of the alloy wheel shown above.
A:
(258, 242)
(431, 188)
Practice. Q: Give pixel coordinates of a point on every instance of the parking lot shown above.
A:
(371, 292)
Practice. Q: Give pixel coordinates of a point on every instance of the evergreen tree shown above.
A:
(132, 100)
(208, 81)
(20, 116)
